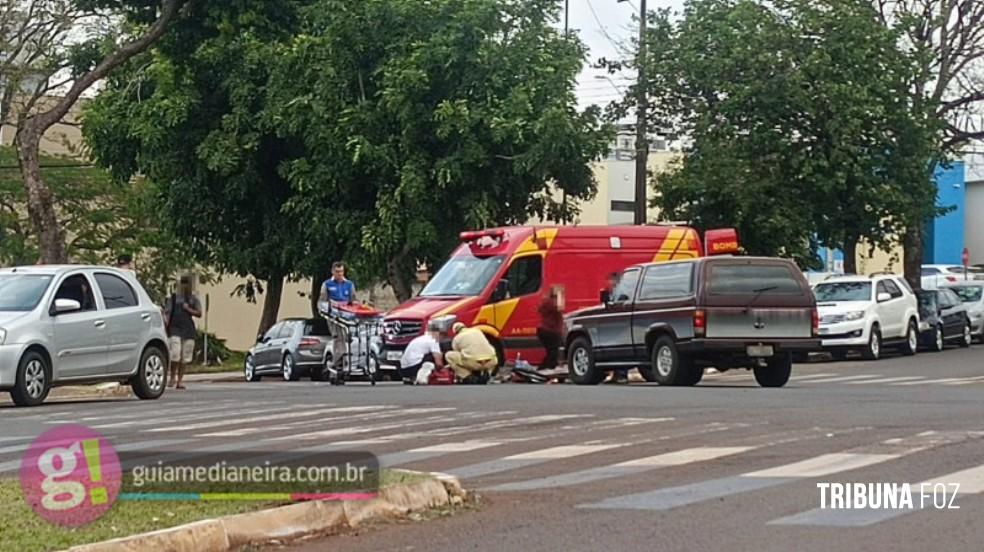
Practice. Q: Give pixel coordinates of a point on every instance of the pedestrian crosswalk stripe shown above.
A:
(424, 453)
(844, 378)
(966, 381)
(13, 465)
(362, 417)
(885, 380)
(812, 376)
(969, 481)
(530, 459)
(168, 421)
(928, 381)
(291, 413)
(825, 464)
(629, 467)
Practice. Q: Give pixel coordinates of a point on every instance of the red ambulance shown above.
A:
(496, 279)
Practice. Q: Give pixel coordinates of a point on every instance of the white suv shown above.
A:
(865, 314)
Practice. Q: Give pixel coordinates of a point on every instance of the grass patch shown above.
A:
(232, 364)
(24, 531)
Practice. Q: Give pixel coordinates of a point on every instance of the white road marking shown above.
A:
(884, 380)
(844, 378)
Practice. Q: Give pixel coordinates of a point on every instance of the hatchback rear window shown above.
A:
(316, 326)
(746, 279)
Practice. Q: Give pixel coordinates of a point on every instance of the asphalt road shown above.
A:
(722, 466)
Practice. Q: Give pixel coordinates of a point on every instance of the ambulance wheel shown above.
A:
(581, 363)
(372, 366)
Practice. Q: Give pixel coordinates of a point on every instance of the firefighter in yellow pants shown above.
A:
(471, 353)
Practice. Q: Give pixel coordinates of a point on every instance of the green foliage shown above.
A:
(218, 352)
(800, 124)
(293, 134)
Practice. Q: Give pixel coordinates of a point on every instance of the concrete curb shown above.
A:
(291, 521)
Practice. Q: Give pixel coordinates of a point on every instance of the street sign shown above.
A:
(965, 257)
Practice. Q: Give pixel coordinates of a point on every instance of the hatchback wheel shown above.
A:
(249, 370)
(151, 376)
(968, 336)
(33, 380)
(288, 369)
(873, 350)
(581, 365)
(911, 339)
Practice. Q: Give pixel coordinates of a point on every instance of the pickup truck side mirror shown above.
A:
(605, 296)
(882, 297)
(501, 291)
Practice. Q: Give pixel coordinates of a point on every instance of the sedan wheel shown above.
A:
(968, 336)
(33, 380)
(151, 377)
(938, 339)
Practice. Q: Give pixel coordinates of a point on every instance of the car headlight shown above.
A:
(443, 323)
(3, 336)
(854, 315)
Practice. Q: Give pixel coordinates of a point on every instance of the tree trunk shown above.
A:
(316, 282)
(912, 253)
(271, 304)
(397, 278)
(850, 255)
(40, 200)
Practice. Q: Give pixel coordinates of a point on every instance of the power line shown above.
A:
(604, 31)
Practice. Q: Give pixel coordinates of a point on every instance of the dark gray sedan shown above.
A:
(291, 348)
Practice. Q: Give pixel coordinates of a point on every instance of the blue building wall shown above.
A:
(943, 239)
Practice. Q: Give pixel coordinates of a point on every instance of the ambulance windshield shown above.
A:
(463, 275)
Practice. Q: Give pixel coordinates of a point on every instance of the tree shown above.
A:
(190, 118)
(48, 70)
(794, 124)
(945, 40)
(432, 117)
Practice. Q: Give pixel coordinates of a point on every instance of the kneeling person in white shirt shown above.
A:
(423, 349)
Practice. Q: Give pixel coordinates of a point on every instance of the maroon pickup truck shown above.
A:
(673, 319)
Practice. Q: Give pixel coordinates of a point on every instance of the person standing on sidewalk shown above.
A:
(338, 290)
(179, 312)
(551, 330)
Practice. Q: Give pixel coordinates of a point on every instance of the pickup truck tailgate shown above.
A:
(759, 323)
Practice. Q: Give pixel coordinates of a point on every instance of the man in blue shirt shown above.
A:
(338, 290)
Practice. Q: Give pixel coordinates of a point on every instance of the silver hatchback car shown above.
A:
(62, 325)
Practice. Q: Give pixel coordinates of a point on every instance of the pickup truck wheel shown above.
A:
(776, 371)
(669, 367)
(873, 350)
(581, 364)
(911, 339)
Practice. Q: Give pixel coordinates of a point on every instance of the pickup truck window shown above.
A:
(625, 289)
(737, 279)
(664, 281)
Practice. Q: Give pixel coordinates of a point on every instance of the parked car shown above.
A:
(62, 325)
(290, 349)
(938, 275)
(865, 314)
(943, 318)
(972, 295)
(673, 319)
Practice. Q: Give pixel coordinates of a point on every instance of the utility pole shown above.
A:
(563, 200)
(642, 106)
